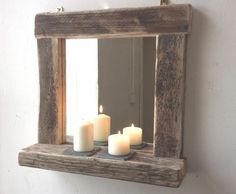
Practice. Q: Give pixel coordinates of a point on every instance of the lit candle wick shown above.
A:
(132, 125)
(119, 132)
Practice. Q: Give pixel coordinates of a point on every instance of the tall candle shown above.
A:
(83, 137)
(134, 133)
(102, 125)
(118, 144)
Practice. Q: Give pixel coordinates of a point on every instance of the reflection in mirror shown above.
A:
(116, 73)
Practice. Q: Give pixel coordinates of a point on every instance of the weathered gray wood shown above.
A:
(169, 95)
(147, 21)
(143, 167)
(51, 54)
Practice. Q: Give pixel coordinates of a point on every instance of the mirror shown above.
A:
(116, 73)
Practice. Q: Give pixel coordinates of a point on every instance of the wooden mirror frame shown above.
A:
(160, 163)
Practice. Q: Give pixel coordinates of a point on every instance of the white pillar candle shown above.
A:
(83, 137)
(118, 144)
(134, 133)
(102, 125)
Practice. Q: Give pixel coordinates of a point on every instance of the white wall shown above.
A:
(210, 135)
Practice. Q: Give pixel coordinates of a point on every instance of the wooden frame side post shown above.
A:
(52, 75)
(169, 95)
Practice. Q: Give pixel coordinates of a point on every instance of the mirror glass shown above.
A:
(115, 73)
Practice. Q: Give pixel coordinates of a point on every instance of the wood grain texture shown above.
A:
(169, 95)
(142, 168)
(145, 21)
(51, 54)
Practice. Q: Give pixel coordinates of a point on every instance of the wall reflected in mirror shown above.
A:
(115, 73)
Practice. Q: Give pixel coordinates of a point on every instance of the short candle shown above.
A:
(118, 144)
(134, 133)
(83, 137)
(102, 125)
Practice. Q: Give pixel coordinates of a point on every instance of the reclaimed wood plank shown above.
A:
(169, 95)
(145, 21)
(51, 126)
(144, 167)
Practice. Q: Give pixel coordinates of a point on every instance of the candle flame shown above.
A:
(132, 125)
(119, 132)
(100, 109)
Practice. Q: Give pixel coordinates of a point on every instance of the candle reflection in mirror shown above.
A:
(102, 126)
(134, 133)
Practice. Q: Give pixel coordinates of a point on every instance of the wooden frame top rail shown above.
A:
(147, 21)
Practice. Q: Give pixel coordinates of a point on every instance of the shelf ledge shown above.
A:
(143, 167)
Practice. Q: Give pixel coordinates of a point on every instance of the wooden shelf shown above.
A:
(143, 167)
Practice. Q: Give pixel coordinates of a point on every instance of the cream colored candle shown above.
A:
(102, 125)
(83, 137)
(118, 144)
(134, 133)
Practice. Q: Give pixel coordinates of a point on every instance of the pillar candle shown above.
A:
(118, 144)
(134, 133)
(102, 125)
(83, 137)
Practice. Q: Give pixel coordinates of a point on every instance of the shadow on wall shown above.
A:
(192, 97)
(194, 130)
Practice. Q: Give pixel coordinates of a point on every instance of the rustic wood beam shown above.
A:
(51, 55)
(143, 168)
(169, 95)
(147, 21)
